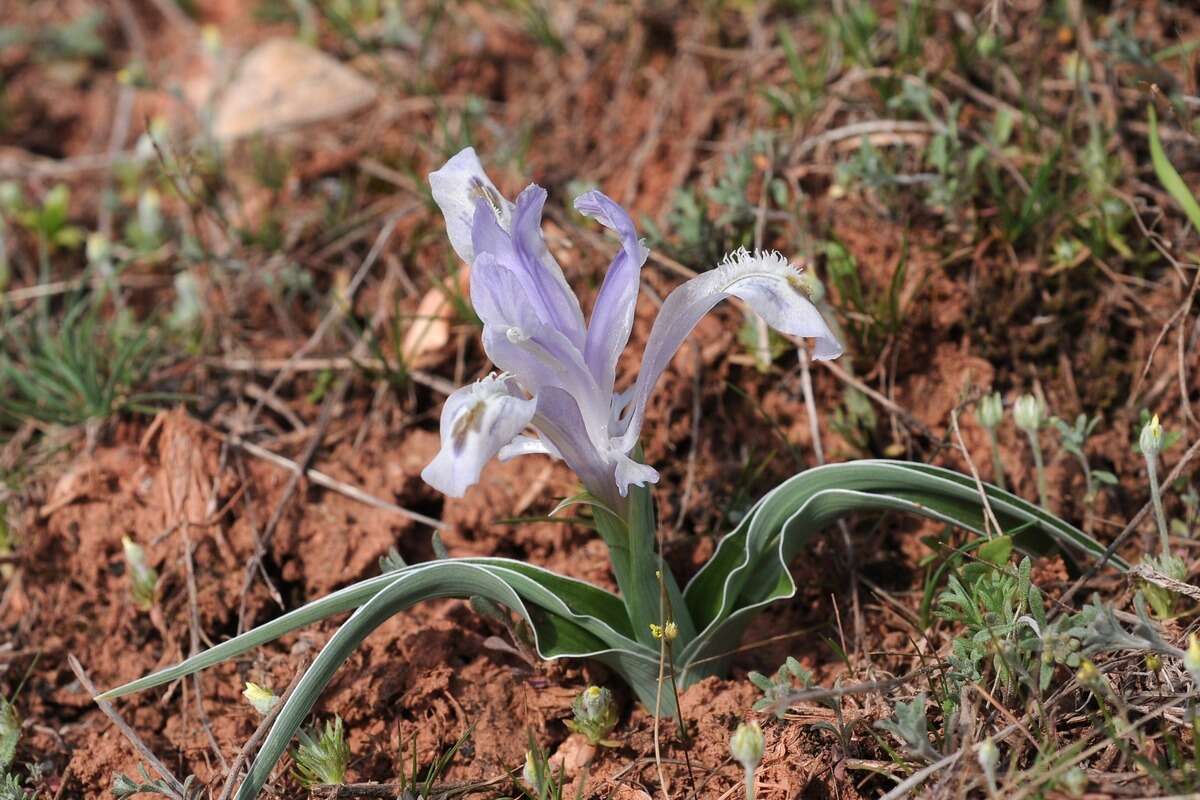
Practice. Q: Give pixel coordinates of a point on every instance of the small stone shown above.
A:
(283, 84)
(573, 754)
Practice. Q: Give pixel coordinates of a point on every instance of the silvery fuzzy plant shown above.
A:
(556, 396)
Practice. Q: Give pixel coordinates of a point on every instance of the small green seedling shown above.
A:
(323, 755)
(1074, 440)
(908, 724)
(777, 688)
(123, 786)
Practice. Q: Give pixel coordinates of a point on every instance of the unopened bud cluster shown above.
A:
(1029, 413)
(1151, 439)
(746, 745)
(595, 715)
(991, 410)
(260, 697)
(668, 631)
(142, 577)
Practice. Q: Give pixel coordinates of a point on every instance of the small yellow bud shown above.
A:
(1151, 439)
(746, 745)
(670, 630)
(1191, 659)
(1088, 674)
(142, 577)
(262, 698)
(210, 38)
(535, 773)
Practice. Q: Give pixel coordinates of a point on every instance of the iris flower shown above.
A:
(556, 392)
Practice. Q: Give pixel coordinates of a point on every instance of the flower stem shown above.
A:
(1040, 469)
(632, 552)
(750, 783)
(997, 465)
(1156, 498)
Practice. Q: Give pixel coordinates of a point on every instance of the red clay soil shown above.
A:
(200, 508)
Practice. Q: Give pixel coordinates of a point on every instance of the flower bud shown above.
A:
(595, 715)
(1028, 413)
(98, 249)
(811, 285)
(534, 774)
(670, 631)
(1151, 438)
(991, 410)
(1191, 658)
(746, 745)
(1088, 675)
(10, 731)
(1075, 781)
(149, 214)
(262, 698)
(210, 39)
(142, 577)
(11, 196)
(988, 755)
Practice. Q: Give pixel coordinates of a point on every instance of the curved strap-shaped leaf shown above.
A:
(449, 578)
(594, 610)
(722, 595)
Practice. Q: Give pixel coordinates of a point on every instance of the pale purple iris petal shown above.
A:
(612, 315)
(533, 329)
(540, 357)
(522, 250)
(628, 472)
(528, 446)
(497, 294)
(766, 281)
(532, 250)
(477, 421)
(558, 420)
(457, 187)
(537, 354)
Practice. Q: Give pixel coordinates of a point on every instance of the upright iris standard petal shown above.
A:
(477, 421)
(612, 315)
(542, 358)
(522, 251)
(537, 354)
(765, 281)
(457, 187)
(496, 294)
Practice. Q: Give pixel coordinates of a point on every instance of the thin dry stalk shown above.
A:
(126, 730)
